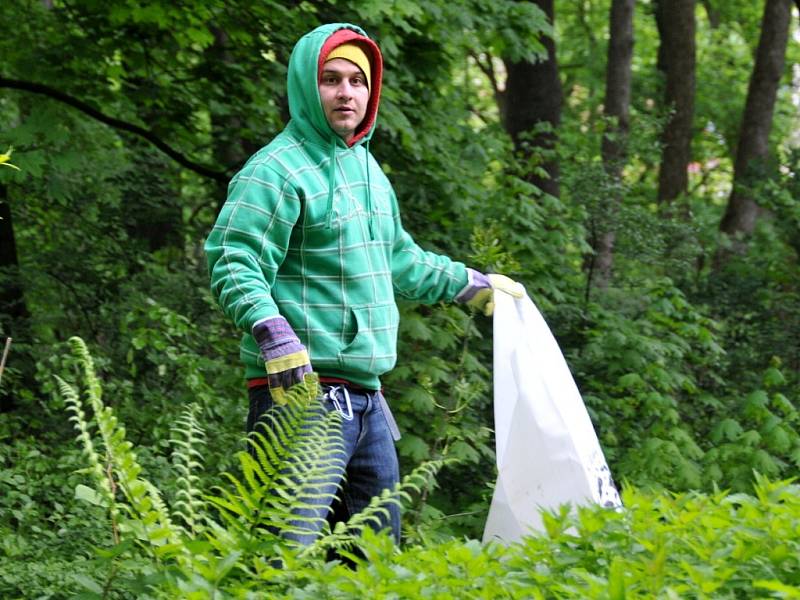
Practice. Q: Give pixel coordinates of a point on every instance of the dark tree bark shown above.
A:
(712, 13)
(753, 148)
(533, 98)
(618, 83)
(617, 108)
(676, 59)
(12, 298)
(13, 310)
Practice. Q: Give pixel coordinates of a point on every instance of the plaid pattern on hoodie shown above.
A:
(330, 263)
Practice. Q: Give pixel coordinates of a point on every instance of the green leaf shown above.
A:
(784, 590)
(616, 579)
(414, 447)
(88, 583)
(773, 378)
(87, 494)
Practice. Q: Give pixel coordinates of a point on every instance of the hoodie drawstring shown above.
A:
(369, 196)
(331, 184)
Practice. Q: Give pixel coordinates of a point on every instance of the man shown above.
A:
(308, 254)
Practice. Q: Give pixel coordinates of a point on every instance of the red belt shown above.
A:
(259, 381)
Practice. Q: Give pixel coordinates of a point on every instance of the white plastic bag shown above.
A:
(547, 450)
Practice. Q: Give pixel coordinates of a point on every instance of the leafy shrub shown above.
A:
(232, 534)
(658, 546)
(665, 414)
(218, 543)
(642, 375)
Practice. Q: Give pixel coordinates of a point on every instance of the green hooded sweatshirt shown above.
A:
(311, 231)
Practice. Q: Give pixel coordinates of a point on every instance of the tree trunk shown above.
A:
(12, 299)
(617, 108)
(753, 147)
(676, 59)
(533, 99)
(13, 310)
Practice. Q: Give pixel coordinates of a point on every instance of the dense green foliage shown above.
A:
(191, 542)
(690, 373)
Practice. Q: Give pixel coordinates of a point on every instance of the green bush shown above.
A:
(222, 541)
(659, 546)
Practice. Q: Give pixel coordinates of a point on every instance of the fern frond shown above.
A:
(345, 536)
(73, 402)
(187, 437)
(295, 454)
(149, 518)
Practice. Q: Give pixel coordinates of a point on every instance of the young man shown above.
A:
(309, 253)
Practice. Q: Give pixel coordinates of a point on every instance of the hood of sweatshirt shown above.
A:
(305, 106)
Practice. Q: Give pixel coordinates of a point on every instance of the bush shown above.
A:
(658, 546)
(215, 542)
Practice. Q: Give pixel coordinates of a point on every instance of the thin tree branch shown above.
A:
(489, 71)
(713, 14)
(5, 356)
(38, 88)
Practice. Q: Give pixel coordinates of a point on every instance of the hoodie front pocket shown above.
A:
(373, 348)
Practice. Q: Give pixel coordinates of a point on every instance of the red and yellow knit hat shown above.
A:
(353, 52)
(364, 53)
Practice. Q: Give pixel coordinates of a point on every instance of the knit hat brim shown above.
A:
(352, 51)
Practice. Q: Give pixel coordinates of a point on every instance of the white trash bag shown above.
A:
(547, 450)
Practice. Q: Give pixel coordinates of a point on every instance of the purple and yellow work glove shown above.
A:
(479, 292)
(285, 357)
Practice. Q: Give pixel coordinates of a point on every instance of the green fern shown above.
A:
(345, 536)
(148, 520)
(234, 536)
(294, 452)
(186, 440)
(101, 478)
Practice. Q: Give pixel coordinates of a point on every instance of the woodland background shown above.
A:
(635, 164)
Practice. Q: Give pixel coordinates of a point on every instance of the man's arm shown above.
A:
(428, 277)
(249, 242)
(245, 249)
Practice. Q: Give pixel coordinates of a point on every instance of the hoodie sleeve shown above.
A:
(249, 242)
(421, 275)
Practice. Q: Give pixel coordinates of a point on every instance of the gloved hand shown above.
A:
(285, 357)
(479, 293)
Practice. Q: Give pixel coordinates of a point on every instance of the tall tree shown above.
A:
(617, 109)
(12, 299)
(676, 59)
(533, 107)
(13, 309)
(753, 148)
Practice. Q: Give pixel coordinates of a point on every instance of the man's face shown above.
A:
(344, 94)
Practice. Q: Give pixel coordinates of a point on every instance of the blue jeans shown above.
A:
(369, 457)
